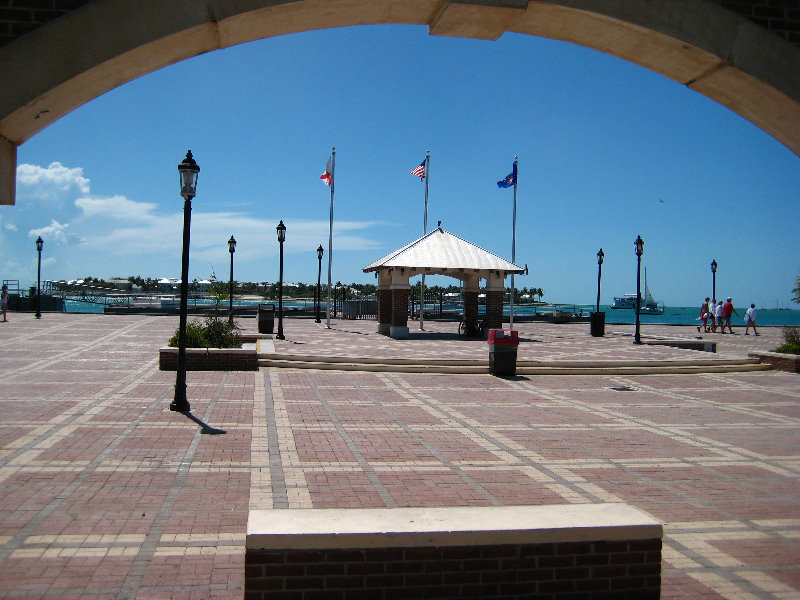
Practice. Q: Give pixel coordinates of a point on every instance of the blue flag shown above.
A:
(510, 179)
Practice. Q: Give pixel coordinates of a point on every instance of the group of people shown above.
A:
(715, 314)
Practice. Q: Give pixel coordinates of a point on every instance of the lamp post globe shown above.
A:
(320, 252)
(231, 249)
(188, 172)
(639, 249)
(39, 246)
(281, 229)
(714, 279)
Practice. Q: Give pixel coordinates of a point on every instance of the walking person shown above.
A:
(4, 300)
(727, 313)
(712, 315)
(718, 313)
(750, 319)
(704, 316)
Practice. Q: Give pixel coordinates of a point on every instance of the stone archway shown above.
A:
(71, 60)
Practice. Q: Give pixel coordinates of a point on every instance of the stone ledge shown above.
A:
(779, 361)
(210, 359)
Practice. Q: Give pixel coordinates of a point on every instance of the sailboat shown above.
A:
(649, 304)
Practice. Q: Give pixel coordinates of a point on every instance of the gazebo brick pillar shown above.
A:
(494, 300)
(384, 302)
(398, 329)
(470, 293)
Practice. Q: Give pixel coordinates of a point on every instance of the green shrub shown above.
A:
(791, 341)
(213, 332)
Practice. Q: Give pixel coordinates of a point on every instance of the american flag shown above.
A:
(419, 171)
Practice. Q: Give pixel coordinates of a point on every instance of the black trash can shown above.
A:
(266, 318)
(597, 322)
(503, 351)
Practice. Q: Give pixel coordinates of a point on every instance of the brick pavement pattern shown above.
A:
(105, 493)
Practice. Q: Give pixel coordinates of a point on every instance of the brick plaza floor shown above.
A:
(105, 493)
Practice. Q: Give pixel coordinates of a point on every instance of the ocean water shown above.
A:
(687, 315)
(672, 315)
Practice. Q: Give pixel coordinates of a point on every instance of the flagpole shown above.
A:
(424, 231)
(330, 239)
(513, 247)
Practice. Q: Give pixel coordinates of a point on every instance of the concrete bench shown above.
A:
(558, 551)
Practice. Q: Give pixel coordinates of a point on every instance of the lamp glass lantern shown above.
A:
(232, 245)
(639, 245)
(188, 171)
(281, 229)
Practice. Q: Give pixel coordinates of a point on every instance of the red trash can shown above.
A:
(503, 345)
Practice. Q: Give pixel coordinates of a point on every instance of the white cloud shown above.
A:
(11, 227)
(116, 207)
(51, 182)
(56, 232)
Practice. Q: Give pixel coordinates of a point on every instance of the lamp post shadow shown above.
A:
(205, 428)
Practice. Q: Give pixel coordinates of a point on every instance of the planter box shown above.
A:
(556, 552)
(210, 359)
(778, 361)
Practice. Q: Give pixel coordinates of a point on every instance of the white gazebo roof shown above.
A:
(441, 252)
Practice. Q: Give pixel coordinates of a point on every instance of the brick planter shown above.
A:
(779, 361)
(556, 552)
(210, 359)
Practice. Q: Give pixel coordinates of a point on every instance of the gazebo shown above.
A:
(439, 253)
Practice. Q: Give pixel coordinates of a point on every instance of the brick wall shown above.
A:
(781, 17)
(629, 570)
(18, 17)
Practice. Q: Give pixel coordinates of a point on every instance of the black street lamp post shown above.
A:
(188, 171)
(713, 279)
(639, 249)
(231, 249)
(600, 256)
(281, 229)
(39, 244)
(320, 252)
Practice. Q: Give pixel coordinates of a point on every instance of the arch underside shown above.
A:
(74, 59)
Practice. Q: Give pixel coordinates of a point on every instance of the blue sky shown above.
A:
(607, 151)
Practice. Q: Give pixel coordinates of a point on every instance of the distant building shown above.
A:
(120, 284)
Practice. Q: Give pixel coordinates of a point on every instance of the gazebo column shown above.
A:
(495, 287)
(384, 301)
(398, 328)
(470, 293)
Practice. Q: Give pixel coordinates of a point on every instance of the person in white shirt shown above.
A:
(750, 319)
(718, 311)
(712, 315)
